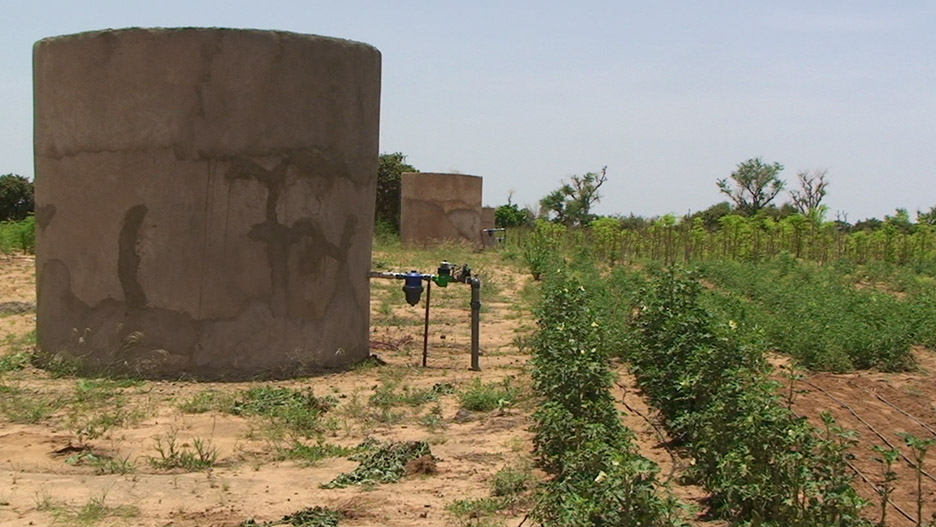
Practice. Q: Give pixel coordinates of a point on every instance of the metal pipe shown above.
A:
(426, 327)
(476, 324)
(384, 274)
(475, 284)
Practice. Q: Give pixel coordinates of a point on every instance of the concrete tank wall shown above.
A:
(437, 207)
(488, 218)
(205, 200)
(488, 221)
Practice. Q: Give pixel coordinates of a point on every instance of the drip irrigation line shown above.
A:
(854, 413)
(907, 414)
(876, 490)
(866, 479)
(662, 438)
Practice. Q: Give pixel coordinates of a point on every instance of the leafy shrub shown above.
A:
(18, 236)
(541, 246)
(608, 236)
(511, 216)
(813, 314)
(762, 464)
(598, 477)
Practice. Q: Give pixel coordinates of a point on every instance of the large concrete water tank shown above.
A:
(205, 200)
(438, 207)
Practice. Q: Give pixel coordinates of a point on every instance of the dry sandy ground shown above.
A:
(39, 486)
(880, 407)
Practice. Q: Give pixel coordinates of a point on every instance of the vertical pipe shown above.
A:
(426, 326)
(475, 323)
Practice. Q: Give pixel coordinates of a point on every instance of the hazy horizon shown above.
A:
(671, 97)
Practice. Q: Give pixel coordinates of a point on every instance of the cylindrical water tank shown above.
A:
(205, 200)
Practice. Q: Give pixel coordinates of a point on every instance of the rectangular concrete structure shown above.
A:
(440, 207)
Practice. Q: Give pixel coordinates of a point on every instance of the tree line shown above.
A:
(752, 189)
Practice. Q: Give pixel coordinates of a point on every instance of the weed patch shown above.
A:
(312, 454)
(311, 517)
(13, 362)
(200, 455)
(29, 407)
(103, 464)
(87, 515)
(485, 397)
(299, 411)
(381, 463)
(208, 401)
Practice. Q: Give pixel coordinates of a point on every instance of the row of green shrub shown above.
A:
(761, 463)
(816, 315)
(18, 236)
(914, 285)
(598, 477)
(670, 239)
(830, 317)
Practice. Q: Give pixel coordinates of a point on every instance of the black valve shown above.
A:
(464, 274)
(412, 287)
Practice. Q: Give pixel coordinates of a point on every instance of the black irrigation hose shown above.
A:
(854, 413)
(876, 490)
(676, 463)
(907, 414)
(866, 479)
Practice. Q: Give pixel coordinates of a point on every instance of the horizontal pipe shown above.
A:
(383, 274)
(398, 276)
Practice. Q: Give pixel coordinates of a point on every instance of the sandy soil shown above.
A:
(880, 407)
(39, 486)
(40, 483)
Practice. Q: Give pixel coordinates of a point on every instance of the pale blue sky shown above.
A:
(669, 95)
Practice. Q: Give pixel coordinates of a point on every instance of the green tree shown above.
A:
(16, 197)
(389, 169)
(571, 203)
(510, 215)
(711, 216)
(808, 199)
(868, 224)
(900, 221)
(607, 236)
(927, 218)
(754, 184)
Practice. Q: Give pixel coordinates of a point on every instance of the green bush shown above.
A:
(598, 477)
(762, 464)
(815, 315)
(18, 236)
(540, 248)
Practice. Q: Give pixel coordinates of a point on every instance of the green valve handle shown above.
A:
(443, 276)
